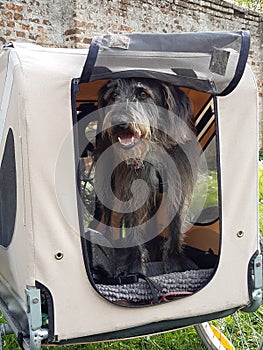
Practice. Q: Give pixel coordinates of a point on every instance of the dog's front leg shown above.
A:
(116, 224)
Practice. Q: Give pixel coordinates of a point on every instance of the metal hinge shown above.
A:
(34, 315)
(257, 285)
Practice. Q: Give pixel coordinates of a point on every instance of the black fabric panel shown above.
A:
(8, 192)
(90, 61)
(241, 64)
(190, 82)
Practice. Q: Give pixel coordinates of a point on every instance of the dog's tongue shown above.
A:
(127, 140)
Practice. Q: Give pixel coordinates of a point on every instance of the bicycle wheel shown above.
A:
(235, 332)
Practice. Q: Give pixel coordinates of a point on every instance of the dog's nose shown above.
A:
(120, 120)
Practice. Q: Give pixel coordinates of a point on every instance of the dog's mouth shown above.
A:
(128, 139)
(130, 142)
(126, 135)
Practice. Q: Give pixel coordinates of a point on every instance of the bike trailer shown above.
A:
(48, 124)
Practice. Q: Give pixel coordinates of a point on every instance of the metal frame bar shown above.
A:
(23, 319)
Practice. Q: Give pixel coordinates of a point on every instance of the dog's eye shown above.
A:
(143, 95)
(114, 95)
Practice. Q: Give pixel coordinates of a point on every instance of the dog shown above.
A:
(146, 167)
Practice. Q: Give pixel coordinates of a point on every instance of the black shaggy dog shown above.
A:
(146, 165)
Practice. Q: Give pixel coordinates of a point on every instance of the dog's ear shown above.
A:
(105, 92)
(180, 113)
(178, 102)
(101, 93)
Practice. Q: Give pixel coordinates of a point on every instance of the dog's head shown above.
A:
(139, 112)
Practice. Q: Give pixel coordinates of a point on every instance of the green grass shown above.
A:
(261, 198)
(185, 339)
(212, 190)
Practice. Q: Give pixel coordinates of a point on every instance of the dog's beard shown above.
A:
(133, 155)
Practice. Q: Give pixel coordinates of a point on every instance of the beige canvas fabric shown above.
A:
(39, 113)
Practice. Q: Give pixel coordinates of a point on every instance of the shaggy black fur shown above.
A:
(147, 137)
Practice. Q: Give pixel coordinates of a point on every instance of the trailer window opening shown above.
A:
(104, 250)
